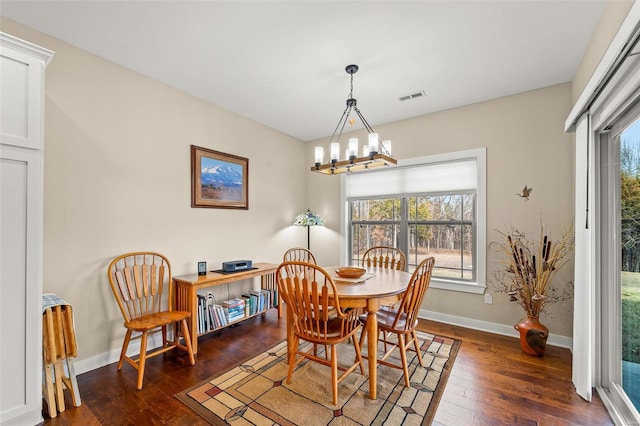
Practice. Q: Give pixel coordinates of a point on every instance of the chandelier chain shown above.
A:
(351, 88)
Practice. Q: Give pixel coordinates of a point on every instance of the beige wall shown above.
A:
(525, 144)
(608, 26)
(117, 179)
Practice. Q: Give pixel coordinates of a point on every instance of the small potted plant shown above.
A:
(527, 277)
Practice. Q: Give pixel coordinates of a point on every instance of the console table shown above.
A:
(187, 287)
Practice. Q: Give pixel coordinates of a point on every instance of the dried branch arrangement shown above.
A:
(530, 268)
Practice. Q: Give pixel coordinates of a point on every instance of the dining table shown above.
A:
(377, 287)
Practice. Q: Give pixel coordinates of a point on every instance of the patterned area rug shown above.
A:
(256, 391)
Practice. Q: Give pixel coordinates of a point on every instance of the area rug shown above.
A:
(256, 391)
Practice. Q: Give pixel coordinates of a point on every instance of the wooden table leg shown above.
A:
(372, 348)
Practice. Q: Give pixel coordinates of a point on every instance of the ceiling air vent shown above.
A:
(415, 95)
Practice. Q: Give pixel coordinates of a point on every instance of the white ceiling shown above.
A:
(281, 63)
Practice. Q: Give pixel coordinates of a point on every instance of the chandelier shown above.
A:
(375, 153)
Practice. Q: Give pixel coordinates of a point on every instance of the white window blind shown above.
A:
(447, 176)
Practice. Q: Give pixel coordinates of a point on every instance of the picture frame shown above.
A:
(219, 180)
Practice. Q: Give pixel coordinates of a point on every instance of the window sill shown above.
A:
(462, 286)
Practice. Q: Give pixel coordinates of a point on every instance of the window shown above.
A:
(374, 223)
(442, 226)
(429, 206)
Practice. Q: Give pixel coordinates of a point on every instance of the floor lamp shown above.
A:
(308, 219)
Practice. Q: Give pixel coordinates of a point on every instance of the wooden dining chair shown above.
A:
(402, 320)
(141, 283)
(299, 254)
(310, 294)
(384, 257)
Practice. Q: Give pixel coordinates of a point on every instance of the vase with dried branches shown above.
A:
(527, 277)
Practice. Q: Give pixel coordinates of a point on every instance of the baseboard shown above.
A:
(491, 327)
(106, 358)
(155, 341)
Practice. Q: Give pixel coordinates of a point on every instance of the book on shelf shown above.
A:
(200, 322)
(253, 303)
(236, 317)
(259, 299)
(210, 325)
(247, 305)
(234, 309)
(271, 297)
(221, 315)
(213, 317)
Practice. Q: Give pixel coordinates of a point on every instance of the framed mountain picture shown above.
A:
(219, 180)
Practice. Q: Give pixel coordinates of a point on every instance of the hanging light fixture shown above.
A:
(375, 153)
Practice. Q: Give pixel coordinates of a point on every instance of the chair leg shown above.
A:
(356, 346)
(334, 373)
(416, 344)
(403, 357)
(58, 373)
(363, 334)
(384, 339)
(292, 358)
(73, 384)
(164, 336)
(50, 393)
(187, 341)
(143, 358)
(125, 345)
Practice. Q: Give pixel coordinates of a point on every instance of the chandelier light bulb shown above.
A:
(373, 143)
(353, 148)
(335, 151)
(319, 155)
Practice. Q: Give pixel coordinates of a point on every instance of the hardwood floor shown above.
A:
(492, 382)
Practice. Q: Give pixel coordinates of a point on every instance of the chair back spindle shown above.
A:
(299, 254)
(384, 257)
(141, 279)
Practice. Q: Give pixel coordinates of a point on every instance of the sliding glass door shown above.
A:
(629, 204)
(620, 290)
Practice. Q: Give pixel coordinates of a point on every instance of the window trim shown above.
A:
(480, 156)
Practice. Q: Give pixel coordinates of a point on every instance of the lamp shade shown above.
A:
(308, 218)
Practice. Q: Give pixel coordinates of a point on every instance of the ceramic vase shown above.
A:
(533, 335)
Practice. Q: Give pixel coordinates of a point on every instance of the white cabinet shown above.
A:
(22, 67)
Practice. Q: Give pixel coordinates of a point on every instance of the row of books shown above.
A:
(260, 300)
(212, 315)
